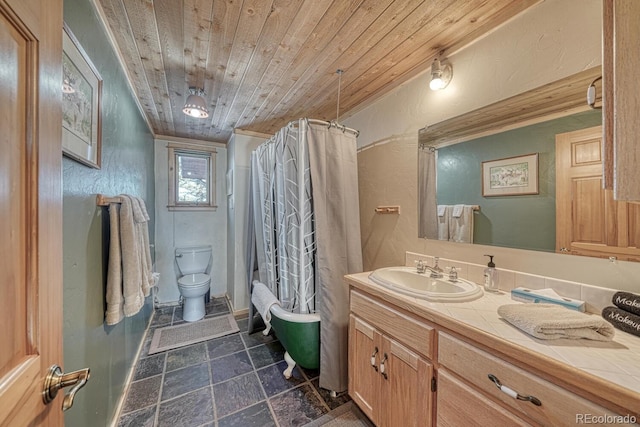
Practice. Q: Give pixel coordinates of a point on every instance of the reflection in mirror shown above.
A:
(523, 221)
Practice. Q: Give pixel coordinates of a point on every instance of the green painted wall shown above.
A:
(127, 167)
(526, 222)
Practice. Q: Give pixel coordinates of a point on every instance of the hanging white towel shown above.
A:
(141, 218)
(131, 260)
(461, 227)
(115, 299)
(443, 222)
(457, 211)
(262, 298)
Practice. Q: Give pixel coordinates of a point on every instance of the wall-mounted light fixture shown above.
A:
(195, 105)
(67, 87)
(440, 75)
(592, 94)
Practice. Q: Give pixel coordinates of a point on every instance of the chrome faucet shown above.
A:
(453, 274)
(421, 266)
(436, 271)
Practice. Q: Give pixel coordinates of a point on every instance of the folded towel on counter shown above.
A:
(262, 299)
(622, 320)
(627, 301)
(550, 322)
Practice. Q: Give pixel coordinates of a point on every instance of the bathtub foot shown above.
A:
(267, 329)
(290, 365)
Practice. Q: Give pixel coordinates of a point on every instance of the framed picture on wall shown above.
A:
(512, 176)
(81, 104)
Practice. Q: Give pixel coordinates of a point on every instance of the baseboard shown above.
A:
(241, 313)
(132, 370)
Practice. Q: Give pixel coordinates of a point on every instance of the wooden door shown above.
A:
(588, 219)
(364, 348)
(406, 396)
(30, 208)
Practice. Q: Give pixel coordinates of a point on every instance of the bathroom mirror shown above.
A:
(524, 124)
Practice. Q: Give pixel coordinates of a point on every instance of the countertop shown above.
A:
(617, 363)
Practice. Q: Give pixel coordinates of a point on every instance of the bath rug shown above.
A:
(171, 337)
(347, 415)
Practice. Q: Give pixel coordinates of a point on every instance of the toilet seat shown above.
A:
(194, 279)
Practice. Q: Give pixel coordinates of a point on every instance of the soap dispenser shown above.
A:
(490, 276)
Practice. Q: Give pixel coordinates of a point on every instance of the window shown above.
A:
(191, 177)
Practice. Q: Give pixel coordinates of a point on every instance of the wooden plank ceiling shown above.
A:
(263, 63)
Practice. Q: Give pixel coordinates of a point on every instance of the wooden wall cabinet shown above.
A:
(621, 97)
(390, 382)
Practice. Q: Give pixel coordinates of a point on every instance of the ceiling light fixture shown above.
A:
(440, 75)
(196, 105)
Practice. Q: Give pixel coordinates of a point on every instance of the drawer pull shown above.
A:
(513, 393)
(373, 359)
(382, 366)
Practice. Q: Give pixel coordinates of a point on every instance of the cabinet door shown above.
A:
(461, 405)
(364, 379)
(621, 100)
(406, 398)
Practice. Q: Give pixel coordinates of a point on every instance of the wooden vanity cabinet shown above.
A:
(474, 367)
(459, 404)
(408, 371)
(388, 380)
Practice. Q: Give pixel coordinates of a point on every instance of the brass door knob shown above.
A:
(55, 380)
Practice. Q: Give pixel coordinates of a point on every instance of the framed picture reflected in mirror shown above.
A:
(511, 176)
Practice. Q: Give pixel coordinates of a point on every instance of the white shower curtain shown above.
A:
(307, 230)
(427, 203)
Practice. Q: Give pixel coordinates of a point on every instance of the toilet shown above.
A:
(194, 283)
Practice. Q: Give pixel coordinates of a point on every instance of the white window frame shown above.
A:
(177, 148)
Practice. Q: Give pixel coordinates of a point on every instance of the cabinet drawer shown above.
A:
(408, 331)
(559, 406)
(460, 405)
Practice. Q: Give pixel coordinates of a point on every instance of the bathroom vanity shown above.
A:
(418, 363)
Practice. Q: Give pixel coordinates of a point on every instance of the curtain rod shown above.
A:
(426, 146)
(330, 124)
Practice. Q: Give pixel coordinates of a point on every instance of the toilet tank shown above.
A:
(193, 259)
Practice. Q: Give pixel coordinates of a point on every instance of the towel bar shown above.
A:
(102, 200)
(387, 210)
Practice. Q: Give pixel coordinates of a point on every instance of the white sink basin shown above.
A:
(407, 281)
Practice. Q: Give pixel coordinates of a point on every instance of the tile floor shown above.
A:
(235, 380)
